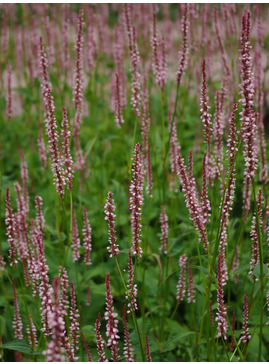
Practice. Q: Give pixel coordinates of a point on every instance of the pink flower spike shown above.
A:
(112, 323)
(66, 157)
(64, 283)
(17, 322)
(245, 336)
(181, 287)
(31, 332)
(136, 201)
(136, 84)
(148, 349)
(248, 120)
(100, 341)
(74, 316)
(40, 221)
(127, 349)
(110, 207)
(132, 288)
(188, 187)
(222, 309)
(206, 116)
(75, 238)
(54, 351)
(164, 230)
(10, 223)
(191, 293)
(87, 238)
(183, 54)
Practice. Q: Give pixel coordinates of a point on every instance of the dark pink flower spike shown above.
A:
(99, 340)
(110, 207)
(17, 322)
(112, 323)
(31, 332)
(148, 349)
(136, 201)
(10, 223)
(245, 336)
(87, 238)
(127, 349)
(86, 347)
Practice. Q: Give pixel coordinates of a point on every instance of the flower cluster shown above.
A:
(127, 349)
(136, 201)
(75, 238)
(188, 187)
(181, 287)
(112, 323)
(17, 323)
(132, 288)
(110, 217)
(159, 56)
(249, 127)
(87, 238)
(222, 309)
(245, 336)
(55, 350)
(164, 230)
(183, 54)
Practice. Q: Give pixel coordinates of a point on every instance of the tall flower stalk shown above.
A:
(136, 201)
(249, 127)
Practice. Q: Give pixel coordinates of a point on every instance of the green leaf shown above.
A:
(257, 271)
(89, 333)
(174, 340)
(19, 345)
